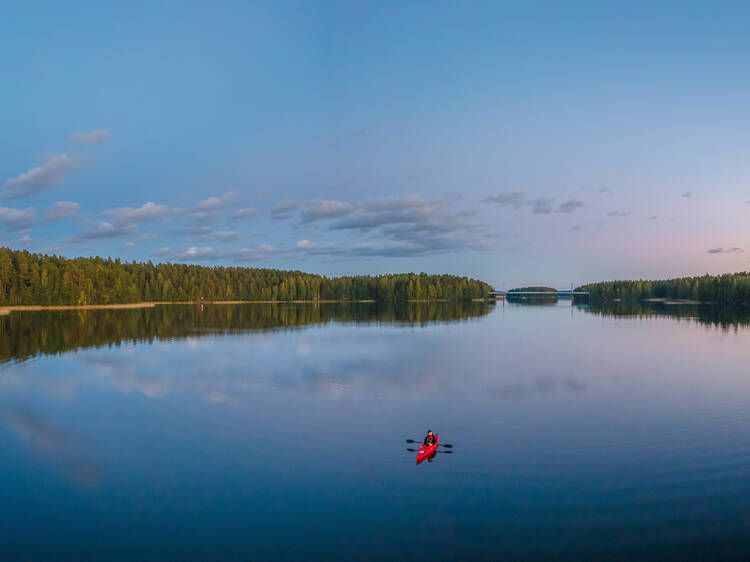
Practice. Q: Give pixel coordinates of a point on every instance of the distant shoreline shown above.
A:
(5, 310)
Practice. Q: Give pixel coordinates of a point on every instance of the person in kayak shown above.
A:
(429, 439)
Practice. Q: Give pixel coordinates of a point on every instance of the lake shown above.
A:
(259, 431)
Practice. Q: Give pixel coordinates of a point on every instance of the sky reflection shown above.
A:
(596, 415)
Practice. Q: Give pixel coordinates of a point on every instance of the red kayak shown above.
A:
(426, 452)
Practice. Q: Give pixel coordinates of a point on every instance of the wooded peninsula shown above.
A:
(38, 279)
(727, 289)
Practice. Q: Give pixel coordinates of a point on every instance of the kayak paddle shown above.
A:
(446, 445)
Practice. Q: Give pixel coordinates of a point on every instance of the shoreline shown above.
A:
(4, 310)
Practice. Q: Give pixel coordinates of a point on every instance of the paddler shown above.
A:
(429, 440)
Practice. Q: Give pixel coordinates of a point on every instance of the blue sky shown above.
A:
(517, 142)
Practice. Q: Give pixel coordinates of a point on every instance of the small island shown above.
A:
(532, 295)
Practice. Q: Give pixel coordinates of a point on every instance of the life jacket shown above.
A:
(429, 440)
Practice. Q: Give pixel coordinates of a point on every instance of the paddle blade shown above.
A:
(446, 445)
(411, 450)
(412, 441)
(447, 452)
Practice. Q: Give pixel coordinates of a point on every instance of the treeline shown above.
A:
(37, 279)
(533, 290)
(728, 289)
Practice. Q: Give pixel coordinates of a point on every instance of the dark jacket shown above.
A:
(429, 440)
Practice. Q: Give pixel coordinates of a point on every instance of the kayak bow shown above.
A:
(426, 452)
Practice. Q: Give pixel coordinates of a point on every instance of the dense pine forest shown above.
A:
(728, 289)
(37, 279)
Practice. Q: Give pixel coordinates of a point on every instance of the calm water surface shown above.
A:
(277, 432)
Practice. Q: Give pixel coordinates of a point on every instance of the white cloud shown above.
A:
(100, 136)
(247, 213)
(197, 253)
(52, 171)
(25, 241)
(215, 203)
(285, 209)
(209, 210)
(63, 210)
(261, 252)
(324, 209)
(16, 219)
(146, 212)
(161, 252)
(103, 231)
(224, 235)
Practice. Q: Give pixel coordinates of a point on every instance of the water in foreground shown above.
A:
(277, 432)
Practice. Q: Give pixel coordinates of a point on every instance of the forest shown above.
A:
(727, 289)
(37, 279)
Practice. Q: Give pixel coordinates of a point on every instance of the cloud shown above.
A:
(161, 252)
(570, 206)
(16, 219)
(24, 241)
(575, 228)
(605, 191)
(285, 209)
(261, 252)
(224, 235)
(247, 213)
(687, 194)
(103, 231)
(653, 217)
(207, 232)
(197, 253)
(619, 213)
(542, 205)
(504, 198)
(539, 205)
(128, 246)
(389, 211)
(209, 210)
(396, 248)
(726, 251)
(63, 210)
(100, 136)
(325, 209)
(146, 212)
(217, 203)
(52, 171)
(406, 225)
